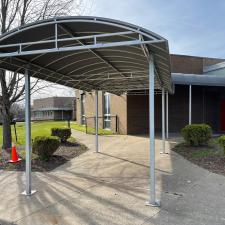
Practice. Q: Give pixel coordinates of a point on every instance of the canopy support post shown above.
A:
(152, 200)
(190, 104)
(28, 190)
(167, 115)
(96, 122)
(163, 123)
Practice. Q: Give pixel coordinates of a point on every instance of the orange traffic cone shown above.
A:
(14, 155)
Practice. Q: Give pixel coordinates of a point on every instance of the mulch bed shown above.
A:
(213, 160)
(63, 154)
(215, 164)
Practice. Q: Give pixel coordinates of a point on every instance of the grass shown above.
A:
(82, 128)
(191, 152)
(203, 154)
(44, 128)
(210, 156)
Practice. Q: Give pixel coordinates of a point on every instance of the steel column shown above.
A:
(167, 115)
(190, 104)
(71, 48)
(56, 35)
(152, 201)
(163, 122)
(28, 190)
(96, 121)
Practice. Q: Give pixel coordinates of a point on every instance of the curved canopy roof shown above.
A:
(87, 53)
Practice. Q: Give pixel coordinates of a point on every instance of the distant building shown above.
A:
(54, 108)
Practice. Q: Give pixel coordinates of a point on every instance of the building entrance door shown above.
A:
(222, 115)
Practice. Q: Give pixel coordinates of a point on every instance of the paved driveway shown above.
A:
(111, 188)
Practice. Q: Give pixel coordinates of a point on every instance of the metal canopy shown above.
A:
(200, 79)
(53, 109)
(87, 53)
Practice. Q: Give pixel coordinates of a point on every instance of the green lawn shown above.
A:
(44, 128)
(75, 126)
(210, 156)
(196, 153)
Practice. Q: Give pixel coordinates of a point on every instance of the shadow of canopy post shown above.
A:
(89, 53)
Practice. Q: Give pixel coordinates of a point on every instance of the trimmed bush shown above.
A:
(221, 141)
(45, 146)
(196, 134)
(62, 133)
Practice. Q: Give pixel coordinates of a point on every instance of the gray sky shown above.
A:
(53, 90)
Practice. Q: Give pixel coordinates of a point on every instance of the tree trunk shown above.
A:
(7, 138)
(5, 104)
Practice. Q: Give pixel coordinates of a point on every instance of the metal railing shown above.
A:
(90, 123)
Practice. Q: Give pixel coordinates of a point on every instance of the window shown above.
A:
(107, 119)
(83, 120)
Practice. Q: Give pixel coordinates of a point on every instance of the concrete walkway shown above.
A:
(111, 188)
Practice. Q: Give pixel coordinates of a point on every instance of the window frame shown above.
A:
(82, 108)
(106, 111)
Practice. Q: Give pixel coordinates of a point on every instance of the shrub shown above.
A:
(62, 133)
(196, 134)
(45, 146)
(221, 141)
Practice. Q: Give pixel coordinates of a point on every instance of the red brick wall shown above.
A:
(186, 64)
(191, 64)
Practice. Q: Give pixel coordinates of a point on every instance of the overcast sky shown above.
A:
(192, 27)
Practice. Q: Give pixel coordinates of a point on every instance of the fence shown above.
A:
(90, 123)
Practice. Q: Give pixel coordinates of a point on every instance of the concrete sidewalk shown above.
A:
(111, 188)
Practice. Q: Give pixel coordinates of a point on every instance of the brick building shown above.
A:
(128, 113)
(53, 108)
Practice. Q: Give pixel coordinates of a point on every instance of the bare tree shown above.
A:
(14, 13)
(17, 111)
